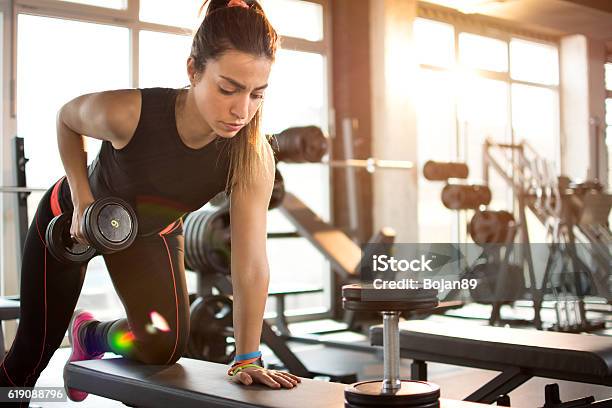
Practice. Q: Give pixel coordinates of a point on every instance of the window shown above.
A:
(181, 13)
(435, 42)
(478, 52)
(534, 62)
(482, 113)
(608, 71)
(436, 122)
(296, 18)
(57, 61)
(303, 180)
(469, 90)
(53, 66)
(163, 59)
(535, 118)
(62, 57)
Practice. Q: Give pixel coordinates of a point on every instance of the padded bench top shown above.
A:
(545, 354)
(9, 309)
(194, 383)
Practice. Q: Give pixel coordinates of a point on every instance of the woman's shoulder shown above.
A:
(136, 96)
(122, 112)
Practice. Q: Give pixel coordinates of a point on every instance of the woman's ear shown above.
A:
(192, 72)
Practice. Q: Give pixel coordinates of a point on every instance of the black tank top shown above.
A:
(156, 172)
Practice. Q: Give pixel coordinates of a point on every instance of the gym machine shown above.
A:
(575, 216)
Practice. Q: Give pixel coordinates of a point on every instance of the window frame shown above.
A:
(9, 202)
(608, 172)
(608, 61)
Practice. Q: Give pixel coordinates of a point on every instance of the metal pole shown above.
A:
(391, 344)
(11, 189)
(352, 189)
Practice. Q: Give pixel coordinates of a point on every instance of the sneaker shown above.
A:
(79, 352)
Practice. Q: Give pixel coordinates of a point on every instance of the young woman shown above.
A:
(167, 152)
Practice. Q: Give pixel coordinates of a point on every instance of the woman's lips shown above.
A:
(231, 126)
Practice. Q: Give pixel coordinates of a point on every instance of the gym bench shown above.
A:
(195, 383)
(9, 310)
(518, 354)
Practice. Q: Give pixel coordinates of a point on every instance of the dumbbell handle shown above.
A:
(72, 238)
(75, 242)
(391, 351)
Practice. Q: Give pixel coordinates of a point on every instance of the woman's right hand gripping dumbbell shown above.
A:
(102, 226)
(76, 226)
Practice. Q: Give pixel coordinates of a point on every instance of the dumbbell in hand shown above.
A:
(109, 225)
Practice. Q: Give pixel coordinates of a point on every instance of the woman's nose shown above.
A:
(241, 108)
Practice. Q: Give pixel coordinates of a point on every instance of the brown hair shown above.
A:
(248, 30)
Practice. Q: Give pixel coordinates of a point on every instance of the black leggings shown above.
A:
(148, 277)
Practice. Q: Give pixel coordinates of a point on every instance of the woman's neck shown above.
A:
(192, 128)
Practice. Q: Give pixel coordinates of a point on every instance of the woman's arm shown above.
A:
(112, 116)
(250, 272)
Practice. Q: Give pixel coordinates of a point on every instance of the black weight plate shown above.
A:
(114, 223)
(98, 224)
(61, 246)
(465, 196)
(430, 405)
(367, 292)
(435, 404)
(210, 325)
(490, 227)
(411, 394)
(390, 306)
(440, 171)
(489, 276)
(208, 241)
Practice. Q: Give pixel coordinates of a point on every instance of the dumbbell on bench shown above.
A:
(391, 391)
(109, 225)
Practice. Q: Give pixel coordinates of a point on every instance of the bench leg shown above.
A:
(500, 385)
(418, 370)
(281, 321)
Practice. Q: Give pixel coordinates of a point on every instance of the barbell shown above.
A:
(308, 144)
(371, 164)
(17, 190)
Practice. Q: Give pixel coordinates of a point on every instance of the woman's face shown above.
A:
(230, 90)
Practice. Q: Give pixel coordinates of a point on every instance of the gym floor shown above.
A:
(456, 382)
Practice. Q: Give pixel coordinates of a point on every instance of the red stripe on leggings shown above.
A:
(171, 227)
(174, 283)
(55, 206)
(44, 340)
(45, 320)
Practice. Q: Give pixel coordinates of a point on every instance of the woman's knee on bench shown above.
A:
(162, 348)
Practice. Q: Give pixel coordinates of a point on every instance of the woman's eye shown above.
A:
(225, 91)
(257, 96)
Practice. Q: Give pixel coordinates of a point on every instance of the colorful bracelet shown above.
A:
(233, 371)
(240, 365)
(242, 357)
